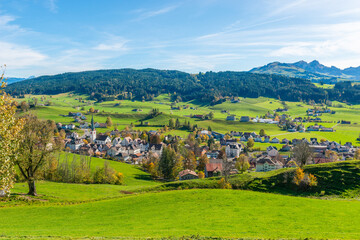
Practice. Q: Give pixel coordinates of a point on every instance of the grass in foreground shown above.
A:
(225, 213)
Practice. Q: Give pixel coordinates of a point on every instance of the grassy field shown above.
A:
(69, 211)
(122, 115)
(225, 213)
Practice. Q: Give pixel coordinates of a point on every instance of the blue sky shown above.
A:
(54, 36)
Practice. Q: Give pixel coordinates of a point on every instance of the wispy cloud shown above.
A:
(153, 13)
(51, 5)
(349, 12)
(291, 5)
(201, 62)
(111, 47)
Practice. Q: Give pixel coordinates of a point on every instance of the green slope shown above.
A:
(225, 213)
(338, 179)
(134, 180)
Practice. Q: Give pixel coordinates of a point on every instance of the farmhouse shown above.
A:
(231, 118)
(275, 140)
(213, 169)
(245, 119)
(187, 175)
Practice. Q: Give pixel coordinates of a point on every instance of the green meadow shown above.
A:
(215, 213)
(122, 114)
(143, 208)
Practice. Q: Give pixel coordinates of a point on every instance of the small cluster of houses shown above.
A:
(318, 112)
(78, 116)
(234, 118)
(319, 128)
(271, 159)
(101, 145)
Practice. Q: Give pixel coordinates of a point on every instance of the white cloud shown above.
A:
(330, 40)
(18, 56)
(119, 46)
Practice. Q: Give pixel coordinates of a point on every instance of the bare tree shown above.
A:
(37, 145)
(302, 154)
(226, 165)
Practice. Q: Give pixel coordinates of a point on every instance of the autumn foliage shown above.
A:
(304, 180)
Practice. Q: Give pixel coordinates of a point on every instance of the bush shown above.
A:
(223, 184)
(304, 180)
(79, 171)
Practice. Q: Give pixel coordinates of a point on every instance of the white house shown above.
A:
(74, 145)
(232, 150)
(126, 141)
(102, 139)
(265, 164)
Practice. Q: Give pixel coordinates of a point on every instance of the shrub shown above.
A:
(223, 184)
(304, 180)
(119, 178)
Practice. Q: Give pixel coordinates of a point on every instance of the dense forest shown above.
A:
(209, 87)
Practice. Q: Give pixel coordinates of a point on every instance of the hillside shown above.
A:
(212, 213)
(339, 179)
(313, 71)
(208, 88)
(79, 211)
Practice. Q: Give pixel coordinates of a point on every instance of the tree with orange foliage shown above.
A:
(201, 175)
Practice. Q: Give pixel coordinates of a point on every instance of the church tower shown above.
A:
(93, 130)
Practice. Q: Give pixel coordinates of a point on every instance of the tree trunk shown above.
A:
(32, 188)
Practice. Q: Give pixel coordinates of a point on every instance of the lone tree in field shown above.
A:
(250, 143)
(262, 132)
(109, 122)
(37, 146)
(172, 123)
(302, 154)
(10, 127)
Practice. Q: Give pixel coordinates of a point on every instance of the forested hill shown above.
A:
(209, 87)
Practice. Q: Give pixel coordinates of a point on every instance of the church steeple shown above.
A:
(93, 130)
(92, 123)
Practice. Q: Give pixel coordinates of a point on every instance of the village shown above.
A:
(139, 147)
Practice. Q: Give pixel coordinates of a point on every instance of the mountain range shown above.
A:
(10, 80)
(314, 71)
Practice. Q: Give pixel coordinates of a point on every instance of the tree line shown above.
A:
(209, 87)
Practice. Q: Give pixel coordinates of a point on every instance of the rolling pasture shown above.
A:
(143, 208)
(123, 114)
(215, 213)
